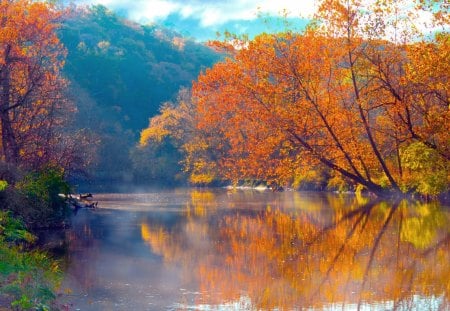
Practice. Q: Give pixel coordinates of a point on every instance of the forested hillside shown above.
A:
(120, 73)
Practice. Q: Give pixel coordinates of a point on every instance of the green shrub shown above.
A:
(35, 199)
(13, 230)
(28, 279)
(45, 186)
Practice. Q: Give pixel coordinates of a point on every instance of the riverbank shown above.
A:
(28, 276)
(29, 202)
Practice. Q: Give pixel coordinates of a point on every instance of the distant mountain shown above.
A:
(120, 73)
(126, 68)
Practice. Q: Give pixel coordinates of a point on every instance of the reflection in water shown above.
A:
(248, 250)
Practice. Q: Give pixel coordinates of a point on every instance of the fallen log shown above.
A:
(80, 201)
(76, 204)
(85, 196)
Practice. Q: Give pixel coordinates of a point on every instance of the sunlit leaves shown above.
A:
(179, 122)
(427, 171)
(159, 126)
(335, 94)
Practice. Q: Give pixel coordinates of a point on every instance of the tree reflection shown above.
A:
(395, 255)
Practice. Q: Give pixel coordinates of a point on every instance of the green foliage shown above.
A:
(45, 186)
(13, 230)
(427, 170)
(27, 279)
(121, 72)
(35, 199)
(3, 185)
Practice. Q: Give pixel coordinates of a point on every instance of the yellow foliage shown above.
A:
(152, 134)
(201, 179)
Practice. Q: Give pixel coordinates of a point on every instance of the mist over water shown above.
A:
(246, 250)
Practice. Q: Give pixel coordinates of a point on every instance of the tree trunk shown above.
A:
(9, 143)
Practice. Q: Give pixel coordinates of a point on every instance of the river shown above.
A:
(191, 249)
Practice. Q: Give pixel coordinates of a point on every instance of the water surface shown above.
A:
(249, 250)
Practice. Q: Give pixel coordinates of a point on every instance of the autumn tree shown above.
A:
(33, 104)
(351, 93)
(177, 122)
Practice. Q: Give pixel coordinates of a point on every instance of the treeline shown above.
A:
(358, 101)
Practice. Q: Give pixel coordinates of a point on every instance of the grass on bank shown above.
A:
(29, 201)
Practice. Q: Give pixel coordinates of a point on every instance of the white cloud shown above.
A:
(150, 10)
(209, 12)
(187, 11)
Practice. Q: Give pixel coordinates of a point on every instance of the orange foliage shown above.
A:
(33, 106)
(339, 94)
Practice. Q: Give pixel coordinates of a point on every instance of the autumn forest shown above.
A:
(358, 100)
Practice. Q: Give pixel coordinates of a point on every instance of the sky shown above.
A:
(202, 19)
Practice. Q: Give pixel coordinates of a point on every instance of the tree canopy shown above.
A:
(354, 93)
(33, 104)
